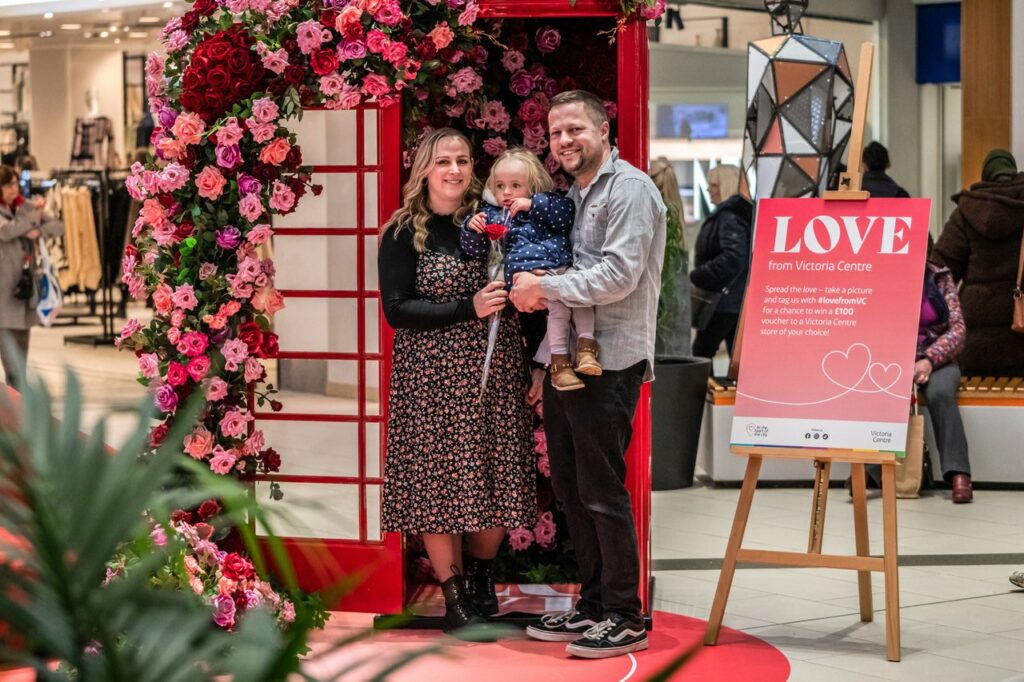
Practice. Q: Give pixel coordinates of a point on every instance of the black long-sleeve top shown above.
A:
(396, 268)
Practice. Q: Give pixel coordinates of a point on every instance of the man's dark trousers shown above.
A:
(588, 431)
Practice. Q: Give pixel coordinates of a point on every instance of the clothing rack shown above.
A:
(99, 178)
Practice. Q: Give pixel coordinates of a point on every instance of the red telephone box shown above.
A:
(336, 346)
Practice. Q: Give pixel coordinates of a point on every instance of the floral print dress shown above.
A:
(455, 464)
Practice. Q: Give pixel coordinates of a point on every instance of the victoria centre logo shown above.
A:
(757, 430)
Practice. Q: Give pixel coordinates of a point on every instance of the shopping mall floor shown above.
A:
(961, 618)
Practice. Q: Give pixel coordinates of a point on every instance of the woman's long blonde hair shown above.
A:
(728, 178)
(537, 178)
(415, 210)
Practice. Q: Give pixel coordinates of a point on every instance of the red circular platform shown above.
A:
(737, 657)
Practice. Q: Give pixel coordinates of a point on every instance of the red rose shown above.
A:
(328, 17)
(276, 406)
(294, 158)
(205, 7)
(236, 567)
(271, 460)
(495, 231)
(241, 600)
(426, 49)
(238, 60)
(269, 347)
(252, 335)
(176, 374)
(185, 230)
(317, 190)
(180, 515)
(208, 509)
(218, 77)
(189, 21)
(218, 50)
(157, 435)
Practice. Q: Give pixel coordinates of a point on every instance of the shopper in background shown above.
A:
(455, 465)
(874, 179)
(674, 324)
(722, 258)
(21, 223)
(940, 339)
(980, 245)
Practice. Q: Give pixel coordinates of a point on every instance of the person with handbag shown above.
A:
(21, 223)
(981, 246)
(721, 263)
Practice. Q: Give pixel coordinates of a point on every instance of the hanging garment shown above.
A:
(80, 240)
(93, 142)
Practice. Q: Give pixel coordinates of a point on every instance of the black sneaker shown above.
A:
(561, 627)
(615, 636)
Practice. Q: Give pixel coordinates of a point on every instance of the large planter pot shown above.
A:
(677, 407)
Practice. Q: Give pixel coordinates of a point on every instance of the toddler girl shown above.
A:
(519, 194)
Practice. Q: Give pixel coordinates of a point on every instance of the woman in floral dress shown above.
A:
(455, 465)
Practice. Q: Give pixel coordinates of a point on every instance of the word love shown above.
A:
(822, 234)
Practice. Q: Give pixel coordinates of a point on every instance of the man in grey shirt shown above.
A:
(618, 246)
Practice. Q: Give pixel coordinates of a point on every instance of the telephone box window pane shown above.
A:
(334, 208)
(373, 453)
(370, 119)
(315, 386)
(327, 138)
(315, 262)
(316, 448)
(373, 512)
(311, 510)
(317, 325)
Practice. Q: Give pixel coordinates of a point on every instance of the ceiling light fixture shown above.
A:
(70, 27)
(103, 34)
(168, 5)
(117, 41)
(48, 15)
(88, 34)
(6, 46)
(138, 34)
(149, 20)
(46, 34)
(4, 32)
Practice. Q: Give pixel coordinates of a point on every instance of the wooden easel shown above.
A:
(862, 562)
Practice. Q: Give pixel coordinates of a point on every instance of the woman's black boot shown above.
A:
(459, 612)
(480, 585)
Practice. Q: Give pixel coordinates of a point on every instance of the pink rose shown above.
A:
(193, 344)
(265, 110)
(184, 297)
(217, 390)
(282, 199)
(513, 60)
(251, 207)
(548, 39)
(235, 352)
(495, 116)
(259, 234)
(375, 85)
(520, 539)
(495, 145)
(176, 374)
(397, 54)
(466, 80)
(651, 13)
(376, 41)
(267, 300)
(253, 370)
(198, 367)
(173, 177)
(275, 152)
(351, 49)
(149, 365)
(206, 271)
(230, 133)
(170, 149)
(233, 423)
(521, 83)
(223, 460)
(276, 61)
(261, 132)
(189, 128)
(162, 299)
(210, 183)
(331, 84)
(468, 15)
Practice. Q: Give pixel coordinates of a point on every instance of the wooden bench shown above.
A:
(994, 434)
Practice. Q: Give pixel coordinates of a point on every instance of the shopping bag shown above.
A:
(910, 469)
(50, 297)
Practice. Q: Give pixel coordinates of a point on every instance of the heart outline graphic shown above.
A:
(885, 369)
(846, 356)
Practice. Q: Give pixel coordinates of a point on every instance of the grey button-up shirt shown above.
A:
(618, 243)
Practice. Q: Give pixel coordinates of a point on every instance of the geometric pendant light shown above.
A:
(799, 107)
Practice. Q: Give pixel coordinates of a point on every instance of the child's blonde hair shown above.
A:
(537, 178)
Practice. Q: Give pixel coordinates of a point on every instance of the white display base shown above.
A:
(994, 435)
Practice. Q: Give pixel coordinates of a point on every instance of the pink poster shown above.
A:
(831, 318)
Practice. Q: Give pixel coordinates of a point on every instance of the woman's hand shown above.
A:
(32, 234)
(478, 223)
(922, 371)
(536, 388)
(491, 299)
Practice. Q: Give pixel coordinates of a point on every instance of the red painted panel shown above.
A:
(507, 9)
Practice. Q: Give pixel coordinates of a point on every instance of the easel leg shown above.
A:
(860, 526)
(892, 578)
(819, 503)
(739, 526)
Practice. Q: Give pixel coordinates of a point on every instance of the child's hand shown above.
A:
(478, 222)
(38, 203)
(520, 205)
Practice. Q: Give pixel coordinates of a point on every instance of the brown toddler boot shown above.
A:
(586, 358)
(563, 378)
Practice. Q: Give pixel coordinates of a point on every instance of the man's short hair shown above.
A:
(876, 157)
(591, 103)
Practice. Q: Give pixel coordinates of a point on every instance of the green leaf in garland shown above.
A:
(196, 210)
(191, 242)
(183, 275)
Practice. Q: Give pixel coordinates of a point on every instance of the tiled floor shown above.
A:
(961, 618)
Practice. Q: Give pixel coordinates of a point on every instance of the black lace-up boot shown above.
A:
(480, 585)
(459, 610)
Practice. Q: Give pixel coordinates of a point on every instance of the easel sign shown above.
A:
(831, 326)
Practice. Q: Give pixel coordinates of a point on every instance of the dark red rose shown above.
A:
(238, 60)
(290, 44)
(223, 70)
(218, 50)
(307, 96)
(194, 79)
(218, 77)
(426, 49)
(269, 349)
(277, 87)
(252, 335)
(519, 41)
(208, 509)
(328, 17)
(294, 74)
(205, 7)
(184, 230)
(166, 200)
(294, 158)
(317, 190)
(495, 231)
(276, 406)
(236, 567)
(180, 515)
(264, 171)
(157, 435)
(130, 250)
(478, 55)
(271, 460)
(189, 21)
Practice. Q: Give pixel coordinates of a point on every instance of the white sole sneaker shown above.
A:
(1017, 579)
(610, 652)
(534, 632)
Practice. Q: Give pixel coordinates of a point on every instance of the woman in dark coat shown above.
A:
(722, 259)
(981, 245)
